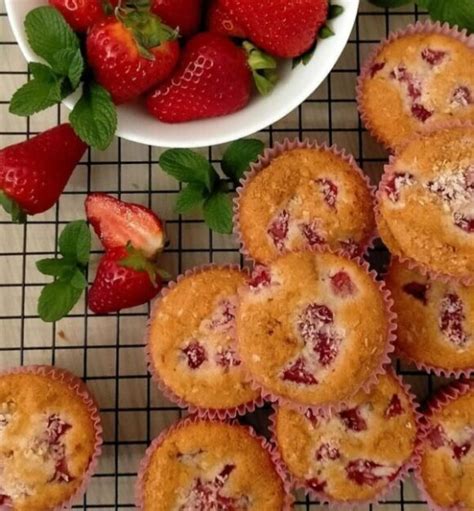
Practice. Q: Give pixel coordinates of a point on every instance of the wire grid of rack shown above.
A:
(107, 351)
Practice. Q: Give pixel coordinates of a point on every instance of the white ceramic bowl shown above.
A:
(293, 88)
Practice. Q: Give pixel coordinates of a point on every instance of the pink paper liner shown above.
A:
(412, 264)
(419, 27)
(202, 412)
(278, 149)
(445, 372)
(411, 464)
(445, 395)
(273, 453)
(385, 359)
(79, 387)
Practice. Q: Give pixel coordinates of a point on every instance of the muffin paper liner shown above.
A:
(202, 412)
(447, 394)
(419, 27)
(411, 263)
(80, 389)
(385, 359)
(277, 150)
(411, 464)
(273, 453)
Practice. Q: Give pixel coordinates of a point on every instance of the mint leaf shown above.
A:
(94, 117)
(69, 62)
(189, 167)
(47, 31)
(238, 157)
(455, 12)
(78, 280)
(57, 299)
(13, 208)
(390, 3)
(75, 242)
(218, 212)
(55, 267)
(190, 197)
(422, 3)
(43, 91)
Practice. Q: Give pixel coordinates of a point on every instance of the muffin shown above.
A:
(419, 77)
(50, 437)
(426, 202)
(304, 331)
(446, 471)
(435, 320)
(204, 466)
(304, 195)
(191, 342)
(354, 455)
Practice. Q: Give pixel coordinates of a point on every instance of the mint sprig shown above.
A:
(203, 187)
(94, 117)
(454, 12)
(69, 272)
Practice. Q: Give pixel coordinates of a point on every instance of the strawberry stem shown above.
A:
(263, 67)
(137, 261)
(13, 208)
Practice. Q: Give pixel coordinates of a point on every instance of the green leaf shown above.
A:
(325, 32)
(94, 117)
(455, 12)
(78, 279)
(390, 3)
(43, 91)
(189, 167)
(218, 212)
(263, 66)
(137, 261)
(13, 208)
(335, 11)
(47, 31)
(238, 157)
(55, 267)
(69, 62)
(164, 275)
(422, 3)
(190, 197)
(57, 299)
(75, 242)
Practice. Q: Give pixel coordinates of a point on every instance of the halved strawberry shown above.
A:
(118, 223)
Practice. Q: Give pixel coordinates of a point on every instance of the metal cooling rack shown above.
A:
(107, 351)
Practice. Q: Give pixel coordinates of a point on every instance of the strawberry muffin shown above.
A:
(446, 471)
(356, 454)
(426, 202)
(191, 342)
(313, 328)
(204, 466)
(49, 438)
(305, 197)
(417, 78)
(435, 320)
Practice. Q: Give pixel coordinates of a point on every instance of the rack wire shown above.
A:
(107, 351)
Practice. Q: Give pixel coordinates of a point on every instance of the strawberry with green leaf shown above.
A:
(94, 117)
(133, 236)
(34, 173)
(131, 53)
(69, 272)
(203, 187)
(81, 14)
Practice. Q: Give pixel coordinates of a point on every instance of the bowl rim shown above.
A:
(200, 139)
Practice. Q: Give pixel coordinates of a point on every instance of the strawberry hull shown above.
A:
(35, 172)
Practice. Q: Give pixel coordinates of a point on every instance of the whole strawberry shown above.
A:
(220, 21)
(131, 54)
(283, 28)
(33, 173)
(213, 78)
(124, 278)
(118, 223)
(185, 15)
(81, 14)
